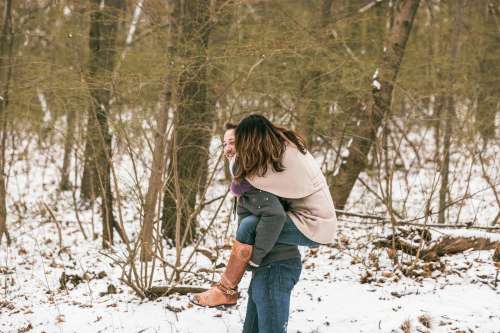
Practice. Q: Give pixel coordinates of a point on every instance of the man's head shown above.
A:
(228, 142)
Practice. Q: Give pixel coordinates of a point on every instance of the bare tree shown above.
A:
(489, 70)
(6, 47)
(365, 133)
(309, 104)
(72, 116)
(65, 184)
(96, 178)
(157, 170)
(450, 109)
(193, 116)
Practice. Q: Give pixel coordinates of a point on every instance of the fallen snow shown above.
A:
(328, 298)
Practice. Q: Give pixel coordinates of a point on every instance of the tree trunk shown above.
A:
(157, 169)
(450, 110)
(6, 48)
(96, 176)
(89, 182)
(372, 115)
(193, 117)
(489, 70)
(309, 103)
(348, 101)
(65, 184)
(446, 245)
(363, 39)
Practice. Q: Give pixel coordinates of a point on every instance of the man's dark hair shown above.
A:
(229, 126)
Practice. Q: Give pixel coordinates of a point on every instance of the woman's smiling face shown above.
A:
(228, 144)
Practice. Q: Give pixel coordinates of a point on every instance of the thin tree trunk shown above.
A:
(6, 48)
(371, 117)
(102, 43)
(450, 109)
(489, 70)
(437, 77)
(89, 182)
(157, 169)
(193, 117)
(361, 40)
(439, 103)
(347, 101)
(65, 184)
(309, 105)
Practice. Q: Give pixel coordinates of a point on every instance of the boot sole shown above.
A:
(192, 300)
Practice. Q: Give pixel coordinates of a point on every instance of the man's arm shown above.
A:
(272, 218)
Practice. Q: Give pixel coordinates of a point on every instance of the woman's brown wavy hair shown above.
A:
(260, 144)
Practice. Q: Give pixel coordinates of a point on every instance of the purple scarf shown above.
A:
(241, 187)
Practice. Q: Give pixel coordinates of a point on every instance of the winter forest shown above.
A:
(114, 190)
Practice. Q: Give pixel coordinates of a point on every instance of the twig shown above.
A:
(384, 220)
(59, 233)
(444, 226)
(77, 215)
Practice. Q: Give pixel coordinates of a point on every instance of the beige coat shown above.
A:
(305, 187)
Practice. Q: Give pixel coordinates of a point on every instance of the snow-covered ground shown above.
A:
(346, 287)
(328, 298)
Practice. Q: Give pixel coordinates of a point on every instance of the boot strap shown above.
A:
(225, 290)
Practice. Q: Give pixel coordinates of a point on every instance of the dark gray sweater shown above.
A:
(272, 215)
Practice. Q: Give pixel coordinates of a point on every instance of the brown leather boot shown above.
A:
(225, 292)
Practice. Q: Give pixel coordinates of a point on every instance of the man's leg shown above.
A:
(251, 324)
(271, 290)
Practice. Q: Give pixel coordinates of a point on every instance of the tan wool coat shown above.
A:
(304, 186)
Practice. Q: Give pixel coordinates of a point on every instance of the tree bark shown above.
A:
(309, 98)
(6, 53)
(65, 184)
(193, 117)
(489, 71)
(372, 115)
(450, 110)
(157, 169)
(446, 245)
(96, 180)
(347, 100)
(309, 105)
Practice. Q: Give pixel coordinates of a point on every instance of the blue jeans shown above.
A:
(289, 234)
(269, 293)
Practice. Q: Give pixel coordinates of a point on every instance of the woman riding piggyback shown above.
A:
(273, 171)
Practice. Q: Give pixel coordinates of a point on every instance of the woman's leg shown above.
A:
(270, 292)
(290, 234)
(246, 229)
(225, 292)
(293, 236)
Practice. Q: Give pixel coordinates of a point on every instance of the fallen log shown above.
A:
(160, 291)
(432, 251)
(468, 226)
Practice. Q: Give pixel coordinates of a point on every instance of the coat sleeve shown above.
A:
(272, 219)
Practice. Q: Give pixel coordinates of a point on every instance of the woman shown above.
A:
(270, 212)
